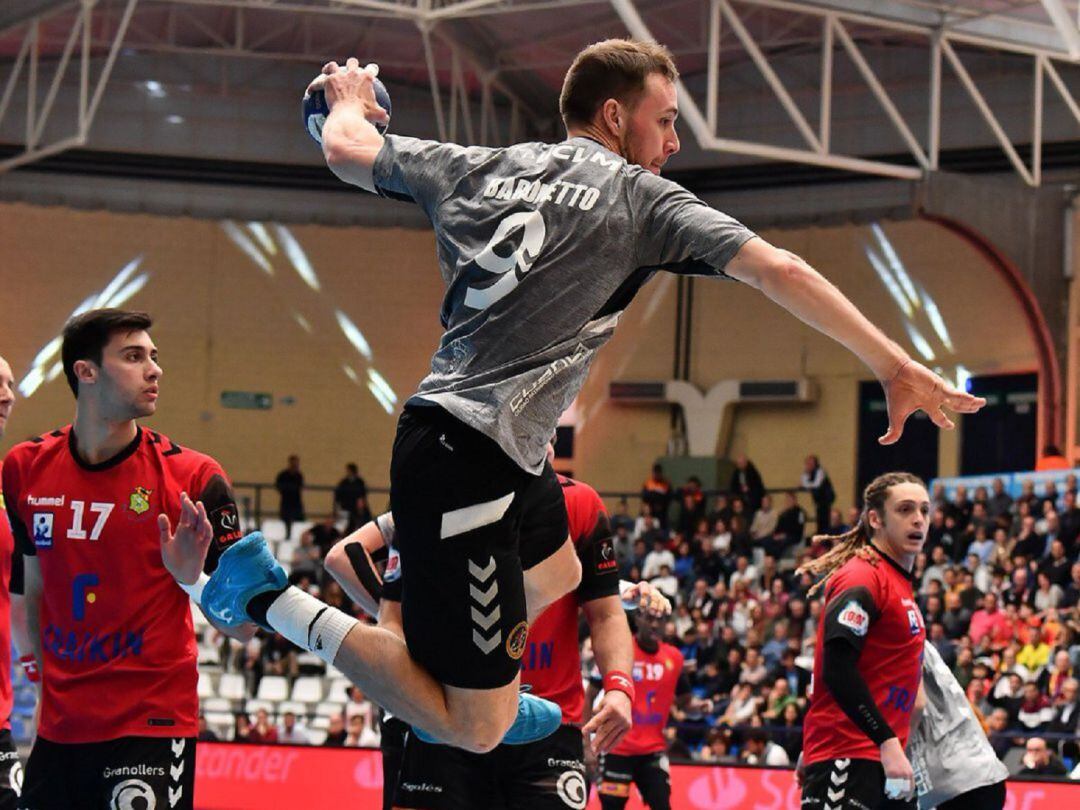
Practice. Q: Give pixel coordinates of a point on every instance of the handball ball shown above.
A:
(315, 111)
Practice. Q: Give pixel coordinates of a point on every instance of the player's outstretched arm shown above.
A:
(350, 141)
(349, 562)
(801, 290)
(613, 649)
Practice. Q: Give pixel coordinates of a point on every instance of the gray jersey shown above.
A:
(541, 248)
(949, 751)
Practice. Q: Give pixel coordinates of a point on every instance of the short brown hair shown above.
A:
(86, 335)
(614, 68)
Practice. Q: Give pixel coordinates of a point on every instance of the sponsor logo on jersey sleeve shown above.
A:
(43, 529)
(854, 618)
(226, 524)
(605, 556)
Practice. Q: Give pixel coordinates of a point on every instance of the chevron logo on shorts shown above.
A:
(484, 588)
(838, 776)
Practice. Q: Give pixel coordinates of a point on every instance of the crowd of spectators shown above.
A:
(998, 583)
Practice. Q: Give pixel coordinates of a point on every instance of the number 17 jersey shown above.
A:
(118, 645)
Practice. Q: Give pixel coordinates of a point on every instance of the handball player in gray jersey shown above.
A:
(541, 247)
(955, 766)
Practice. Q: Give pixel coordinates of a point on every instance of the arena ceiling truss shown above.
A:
(478, 57)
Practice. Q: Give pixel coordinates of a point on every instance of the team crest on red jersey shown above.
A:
(139, 501)
(515, 642)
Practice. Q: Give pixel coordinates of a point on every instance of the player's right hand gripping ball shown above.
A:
(315, 110)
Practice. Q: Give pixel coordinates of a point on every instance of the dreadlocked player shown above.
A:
(868, 663)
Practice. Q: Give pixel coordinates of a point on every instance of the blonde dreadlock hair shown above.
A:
(847, 545)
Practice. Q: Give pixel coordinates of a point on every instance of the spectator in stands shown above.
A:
(760, 750)
(700, 599)
(745, 573)
(721, 538)
(1000, 503)
(773, 649)
(691, 505)
(292, 732)
(837, 525)
(1052, 680)
(361, 734)
(1066, 719)
(251, 666)
(205, 733)
(816, 481)
(656, 494)
(1008, 694)
(665, 582)
(753, 671)
(1039, 760)
(741, 707)
(791, 523)
(322, 536)
(241, 728)
(990, 622)
(956, 617)
(621, 517)
(1072, 590)
(1025, 504)
(746, 483)
(788, 734)
(1056, 566)
(262, 731)
(982, 544)
(358, 704)
(764, 523)
(936, 570)
(350, 496)
(280, 657)
(290, 486)
(717, 748)
(1069, 521)
(997, 724)
(960, 508)
(1035, 710)
(335, 732)
(647, 526)
(1047, 594)
(964, 666)
(657, 558)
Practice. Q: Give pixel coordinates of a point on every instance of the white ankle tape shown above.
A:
(309, 623)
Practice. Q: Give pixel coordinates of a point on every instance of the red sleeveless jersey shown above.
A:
(657, 681)
(873, 605)
(7, 548)
(551, 664)
(118, 645)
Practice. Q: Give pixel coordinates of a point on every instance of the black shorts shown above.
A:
(458, 502)
(849, 784)
(129, 773)
(11, 772)
(987, 797)
(392, 746)
(548, 774)
(650, 772)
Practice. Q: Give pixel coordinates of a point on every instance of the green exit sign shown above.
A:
(247, 400)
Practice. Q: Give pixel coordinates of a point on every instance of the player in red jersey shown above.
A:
(641, 757)
(549, 773)
(868, 663)
(88, 505)
(13, 617)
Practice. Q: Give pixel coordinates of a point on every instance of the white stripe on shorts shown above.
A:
(468, 518)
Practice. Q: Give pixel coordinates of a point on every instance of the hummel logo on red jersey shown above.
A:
(32, 501)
